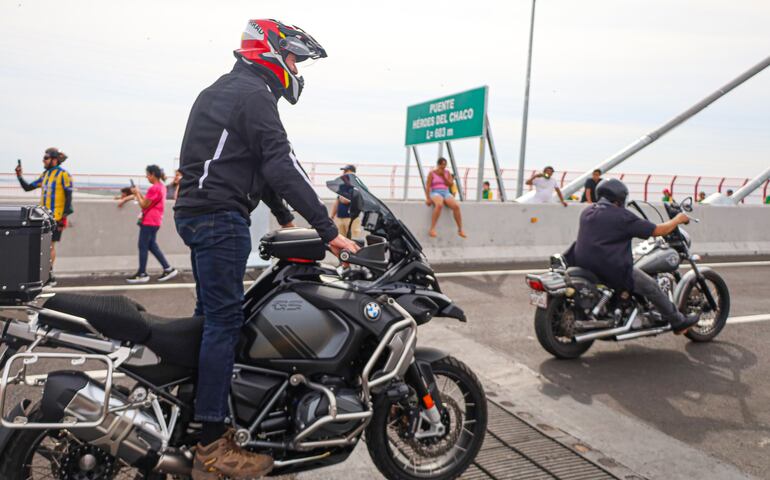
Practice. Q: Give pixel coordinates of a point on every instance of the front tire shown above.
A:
(465, 415)
(553, 330)
(693, 299)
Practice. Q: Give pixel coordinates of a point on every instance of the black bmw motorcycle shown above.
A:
(326, 355)
(574, 308)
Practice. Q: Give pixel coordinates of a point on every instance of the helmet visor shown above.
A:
(300, 49)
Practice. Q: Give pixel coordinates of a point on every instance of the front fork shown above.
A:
(712, 303)
(420, 377)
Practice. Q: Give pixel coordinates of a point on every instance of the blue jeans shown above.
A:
(219, 248)
(147, 236)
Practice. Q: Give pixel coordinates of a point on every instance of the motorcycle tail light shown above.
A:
(535, 284)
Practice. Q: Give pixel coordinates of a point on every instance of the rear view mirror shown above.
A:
(687, 204)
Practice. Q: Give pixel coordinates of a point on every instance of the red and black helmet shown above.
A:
(266, 43)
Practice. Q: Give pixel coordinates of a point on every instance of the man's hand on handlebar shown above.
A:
(682, 218)
(343, 243)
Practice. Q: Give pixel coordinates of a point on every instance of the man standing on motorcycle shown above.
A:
(235, 153)
(603, 246)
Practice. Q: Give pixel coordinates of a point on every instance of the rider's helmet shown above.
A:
(266, 44)
(613, 190)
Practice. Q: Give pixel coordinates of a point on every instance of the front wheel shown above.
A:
(398, 455)
(693, 300)
(555, 329)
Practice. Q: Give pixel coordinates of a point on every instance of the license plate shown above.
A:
(538, 299)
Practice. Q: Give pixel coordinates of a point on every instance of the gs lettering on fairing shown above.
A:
(325, 356)
(287, 305)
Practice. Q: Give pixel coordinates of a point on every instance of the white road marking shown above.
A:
(749, 319)
(471, 273)
(116, 288)
(479, 273)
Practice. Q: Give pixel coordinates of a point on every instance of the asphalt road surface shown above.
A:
(714, 397)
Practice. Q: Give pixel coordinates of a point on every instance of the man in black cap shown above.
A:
(341, 212)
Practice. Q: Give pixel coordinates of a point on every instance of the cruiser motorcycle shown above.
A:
(326, 355)
(574, 308)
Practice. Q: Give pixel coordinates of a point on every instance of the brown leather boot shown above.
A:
(224, 458)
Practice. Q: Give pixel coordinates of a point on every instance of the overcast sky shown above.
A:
(111, 83)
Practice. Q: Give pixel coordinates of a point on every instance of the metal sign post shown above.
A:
(493, 155)
(456, 172)
(406, 174)
(480, 174)
(419, 167)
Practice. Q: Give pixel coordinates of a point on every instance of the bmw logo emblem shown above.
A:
(372, 310)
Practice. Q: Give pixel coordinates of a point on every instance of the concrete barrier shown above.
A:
(103, 237)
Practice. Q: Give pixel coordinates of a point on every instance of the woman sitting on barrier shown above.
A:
(439, 191)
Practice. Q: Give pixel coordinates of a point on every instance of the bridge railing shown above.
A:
(387, 182)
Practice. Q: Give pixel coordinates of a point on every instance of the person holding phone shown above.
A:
(545, 184)
(55, 186)
(152, 204)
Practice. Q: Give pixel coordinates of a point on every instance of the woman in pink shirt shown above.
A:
(438, 192)
(152, 205)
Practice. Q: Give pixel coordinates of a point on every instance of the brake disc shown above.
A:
(437, 446)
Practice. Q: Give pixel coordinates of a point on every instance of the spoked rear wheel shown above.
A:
(464, 416)
(694, 301)
(56, 455)
(555, 328)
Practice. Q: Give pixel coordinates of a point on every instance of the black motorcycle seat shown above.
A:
(175, 340)
(582, 273)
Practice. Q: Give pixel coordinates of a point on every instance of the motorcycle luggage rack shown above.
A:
(20, 378)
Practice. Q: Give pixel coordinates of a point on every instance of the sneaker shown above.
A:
(139, 278)
(684, 323)
(168, 274)
(224, 458)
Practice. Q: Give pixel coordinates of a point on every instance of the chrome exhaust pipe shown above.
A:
(586, 337)
(644, 333)
(179, 462)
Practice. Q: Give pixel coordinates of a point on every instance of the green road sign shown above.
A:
(448, 118)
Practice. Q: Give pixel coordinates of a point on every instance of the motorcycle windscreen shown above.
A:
(347, 185)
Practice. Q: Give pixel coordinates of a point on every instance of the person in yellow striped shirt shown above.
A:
(55, 186)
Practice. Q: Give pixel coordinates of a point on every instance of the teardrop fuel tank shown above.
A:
(289, 326)
(660, 260)
(311, 328)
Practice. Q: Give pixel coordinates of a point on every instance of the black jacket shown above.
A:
(235, 153)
